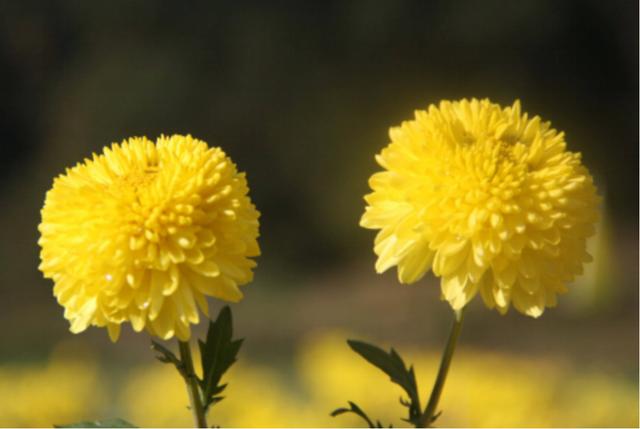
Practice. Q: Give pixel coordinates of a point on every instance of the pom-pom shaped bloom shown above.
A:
(487, 198)
(145, 232)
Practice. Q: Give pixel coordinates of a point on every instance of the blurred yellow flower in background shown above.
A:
(328, 370)
(257, 397)
(486, 197)
(144, 232)
(154, 397)
(534, 391)
(56, 393)
(525, 391)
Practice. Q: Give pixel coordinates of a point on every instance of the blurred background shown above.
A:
(301, 96)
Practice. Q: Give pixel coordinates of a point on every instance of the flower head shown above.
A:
(144, 232)
(487, 198)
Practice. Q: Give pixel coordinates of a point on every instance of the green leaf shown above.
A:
(391, 363)
(167, 356)
(218, 353)
(355, 409)
(109, 423)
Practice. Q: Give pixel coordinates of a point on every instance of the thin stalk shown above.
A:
(429, 411)
(199, 416)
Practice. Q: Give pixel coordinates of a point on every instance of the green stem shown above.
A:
(429, 412)
(199, 416)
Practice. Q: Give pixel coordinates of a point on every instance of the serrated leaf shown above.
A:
(109, 423)
(218, 353)
(355, 409)
(167, 356)
(391, 363)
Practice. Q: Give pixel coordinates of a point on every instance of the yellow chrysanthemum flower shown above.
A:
(488, 198)
(144, 232)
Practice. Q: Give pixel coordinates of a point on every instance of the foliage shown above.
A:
(392, 364)
(355, 409)
(109, 423)
(218, 353)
